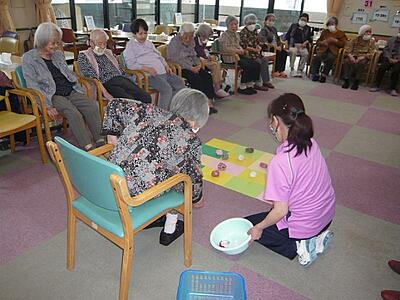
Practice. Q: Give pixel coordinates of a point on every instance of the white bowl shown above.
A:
(233, 233)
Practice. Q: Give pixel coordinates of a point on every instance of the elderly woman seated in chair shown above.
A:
(249, 41)
(152, 144)
(230, 43)
(181, 51)
(357, 56)
(100, 63)
(203, 33)
(45, 69)
(141, 54)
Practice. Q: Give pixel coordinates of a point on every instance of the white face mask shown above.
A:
(332, 28)
(270, 23)
(273, 132)
(302, 23)
(98, 50)
(367, 37)
(398, 35)
(251, 27)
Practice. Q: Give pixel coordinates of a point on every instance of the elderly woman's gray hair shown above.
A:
(269, 16)
(332, 20)
(363, 29)
(230, 19)
(46, 33)
(192, 105)
(186, 28)
(250, 19)
(98, 33)
(204, 31)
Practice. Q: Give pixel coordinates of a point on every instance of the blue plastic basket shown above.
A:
(204, 285)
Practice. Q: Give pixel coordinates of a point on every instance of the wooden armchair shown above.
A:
(72, 43)
(141, 77)
(11, 123)
(20, 84)
(216, 50)
(104, 204)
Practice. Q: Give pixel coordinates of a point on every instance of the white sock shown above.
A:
(250, 84)
(320, 242)
(243, 86)
(259, 83)
(170, 223)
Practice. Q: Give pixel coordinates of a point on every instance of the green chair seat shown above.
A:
(111, 221)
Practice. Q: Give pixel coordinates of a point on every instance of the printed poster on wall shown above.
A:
(396, 21)
(359, 18)
(381, 14)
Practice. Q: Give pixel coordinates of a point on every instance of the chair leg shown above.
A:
(71, 232)
(236, 81)
(39, 135)
(187, 231)
(126, 271)
(28, 136)
(12, 143)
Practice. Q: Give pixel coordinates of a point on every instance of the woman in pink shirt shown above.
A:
(299, 186)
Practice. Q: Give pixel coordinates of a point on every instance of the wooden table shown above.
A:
(7, 69)
(117, 35)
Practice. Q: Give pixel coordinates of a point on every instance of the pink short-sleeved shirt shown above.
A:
(304, 183)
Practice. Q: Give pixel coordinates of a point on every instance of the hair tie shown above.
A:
(296, 112)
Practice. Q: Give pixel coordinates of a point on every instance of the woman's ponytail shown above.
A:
(290, 108)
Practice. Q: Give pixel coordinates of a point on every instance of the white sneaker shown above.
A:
(221, 93)
(394, 93)
(374, 89)
(299, 73)
(292, 73)
(306, 250)
(323, 241)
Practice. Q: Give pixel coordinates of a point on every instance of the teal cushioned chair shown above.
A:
(104, 203)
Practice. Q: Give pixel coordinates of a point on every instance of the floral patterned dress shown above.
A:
(250, 39)
(153, 145)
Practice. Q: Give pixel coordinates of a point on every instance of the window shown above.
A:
(92, 8)
(63, 13)
(206, 10)
(167, 10)
(228, 8)
(287, 12)
(188, 10)
(147, 10)
(316, 9)
(257, 7)
(119, 11)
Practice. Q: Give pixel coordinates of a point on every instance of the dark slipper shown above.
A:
(168, 238)
(157, 223)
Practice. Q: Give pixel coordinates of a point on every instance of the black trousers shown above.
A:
(201, 81)
(280, 63)
(394, 76)
(251, 69)
(277, 240)
(328, 58)
(122, 87)
(353, 71)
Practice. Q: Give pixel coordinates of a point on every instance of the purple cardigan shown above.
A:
(200, 48)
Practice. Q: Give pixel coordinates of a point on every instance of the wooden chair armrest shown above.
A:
(139, 74)
(119, 183)
(28, 96)
(102, 150)
(176, 67)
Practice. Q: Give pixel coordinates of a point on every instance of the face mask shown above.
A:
(332, 28)
(195, 130)
(270, 23)
(302, 23)
(251, 27)
(273, 132)
(367, 37)
(398, 35)
(98, 50)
